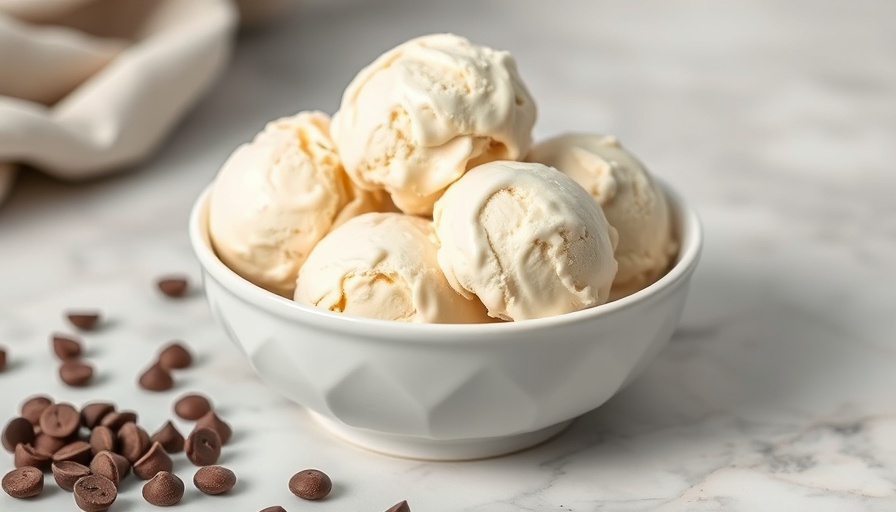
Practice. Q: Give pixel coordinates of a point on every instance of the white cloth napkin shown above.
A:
(90, 86)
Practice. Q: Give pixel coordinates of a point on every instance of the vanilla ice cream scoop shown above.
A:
(383, 265)
(275, 197)
(362, 201)
(632, 201)
(425, 112)
(526, 239)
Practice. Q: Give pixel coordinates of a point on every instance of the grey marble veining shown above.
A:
(778, 119)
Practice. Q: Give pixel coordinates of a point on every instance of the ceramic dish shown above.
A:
(447, 391)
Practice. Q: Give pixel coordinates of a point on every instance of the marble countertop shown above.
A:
(777, 119)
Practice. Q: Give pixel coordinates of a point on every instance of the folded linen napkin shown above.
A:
(88, 87)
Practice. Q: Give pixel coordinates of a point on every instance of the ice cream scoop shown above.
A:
(425, 112)
(362, 201)
(631, 200)
(275, 197)
(526, 240)
(383, 265)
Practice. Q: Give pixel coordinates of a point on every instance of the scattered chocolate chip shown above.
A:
(92, 414)
(75, 373)
(401, 506)
(173, 286)
(66, 347)
(2, 359)
(156, 378)
(214, 479)
(66, 473)
(212, 421)
(152, 462)
(164, 489)
(175, 356)
(133, 442)
(85, 320)
(23, 482)
(275, 508)
(169, 437)
(18, 430)
(60, 420)
(192, 406)
(104, 464)
(94, 493)
(34, 406)
(115, 420)
(76, 451)
(310, 484)
(48, 444)
(27, 455)
(203, 446)
(124, 465)
(102, 439)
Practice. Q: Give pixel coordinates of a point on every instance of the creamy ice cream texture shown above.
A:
(425, 112)
(383, 265)
(631, 199)
(526, 240)
(277, 196)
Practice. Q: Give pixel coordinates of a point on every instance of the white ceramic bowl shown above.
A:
(451, 392)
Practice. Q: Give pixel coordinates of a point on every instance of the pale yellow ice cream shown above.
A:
(631, 199)
(362, 201)
(383, 265)
(526, 239)
(420, 115)
(275, 197)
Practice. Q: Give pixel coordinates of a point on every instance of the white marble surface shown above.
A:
(778, 119)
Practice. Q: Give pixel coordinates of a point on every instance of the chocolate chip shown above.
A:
(173, 286)
(27, 455)
(401, 506)
(66, 473)
(66, 347)
(2, 359)
(310, 484)
(33, 407)
(212, 421)
(94, 493)
(48, 444)
(104, 464)
(77, 451)
(163, 490)
(169, 437)
(275, 508)
(203, 446)
(75, 373)
(18, 430)
(92, 414)
(102, 439)
(175, 356)
(60, 420)
(115, 420)
(124, 465)
(156, 378)
(85, 320)
(133, 442)
(152, 462)
(23, 482)
(192, 406)
(214, 479)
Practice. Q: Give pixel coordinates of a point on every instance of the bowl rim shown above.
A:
(690, 234)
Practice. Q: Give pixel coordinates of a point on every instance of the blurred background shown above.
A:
(800, 91)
